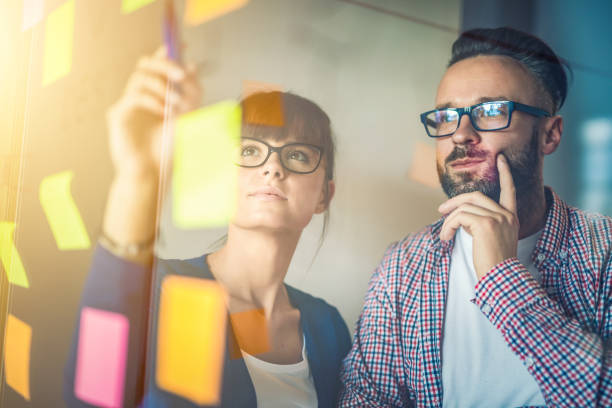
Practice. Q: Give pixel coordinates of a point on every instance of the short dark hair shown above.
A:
(548, 69)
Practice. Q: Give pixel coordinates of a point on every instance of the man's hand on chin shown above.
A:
(494, 227)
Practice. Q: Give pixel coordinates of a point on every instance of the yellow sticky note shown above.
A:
(17, 355)
(128, 6)
(205, 177)
(11, 261)
(62, 213)
(59, 38)
(191, 338)
(199, 11)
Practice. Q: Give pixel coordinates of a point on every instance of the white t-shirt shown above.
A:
(478, 368)
(282, 385)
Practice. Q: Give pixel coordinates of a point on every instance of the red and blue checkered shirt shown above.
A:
(560, 328)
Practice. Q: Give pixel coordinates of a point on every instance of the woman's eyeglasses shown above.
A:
(299, 158)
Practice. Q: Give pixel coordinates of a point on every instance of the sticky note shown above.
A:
(205, 177)
(59, 38)
(17, 343)
(199, 11)
(101, 357)
(62, 213)
(191, 338)
(129, 6)
(33, 12)
(11, 261)
(264, 108)
(423, 165)
(249, 333)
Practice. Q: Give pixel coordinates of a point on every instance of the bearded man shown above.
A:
(506, 300)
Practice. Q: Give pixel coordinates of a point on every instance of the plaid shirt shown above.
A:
(560, 328)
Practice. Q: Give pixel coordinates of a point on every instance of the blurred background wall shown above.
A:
(372, 65)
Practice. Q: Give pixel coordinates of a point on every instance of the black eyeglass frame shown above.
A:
(532, 110)
(272, 149)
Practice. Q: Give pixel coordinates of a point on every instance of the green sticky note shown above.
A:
(59, 38)
(62, 213)
(11, 261)
(129, 6)
(205, 176)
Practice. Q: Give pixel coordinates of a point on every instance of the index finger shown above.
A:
(507, 196)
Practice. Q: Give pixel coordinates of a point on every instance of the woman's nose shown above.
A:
(273, 166)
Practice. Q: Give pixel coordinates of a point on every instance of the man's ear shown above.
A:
(326, 198)
(553, 131)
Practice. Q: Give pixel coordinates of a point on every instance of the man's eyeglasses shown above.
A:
(299, 158)
(486, 116)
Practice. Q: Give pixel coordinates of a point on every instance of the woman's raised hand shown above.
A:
(157, 91)
(158, 88)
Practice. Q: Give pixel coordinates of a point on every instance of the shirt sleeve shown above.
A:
(571, 363)
(122, 287)
(369, 371)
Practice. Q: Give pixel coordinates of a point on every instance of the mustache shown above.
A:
(461, 152)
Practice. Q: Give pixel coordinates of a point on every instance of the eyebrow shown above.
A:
(479, 100)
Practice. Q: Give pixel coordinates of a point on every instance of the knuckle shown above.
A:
(490, 222)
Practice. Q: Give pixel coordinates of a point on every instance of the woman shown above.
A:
(285, 177)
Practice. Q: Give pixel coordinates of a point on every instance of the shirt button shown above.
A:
(563, 254)
(486, 309)
(529, 362)
(541, 257)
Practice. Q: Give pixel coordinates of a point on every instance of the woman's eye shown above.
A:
(249, 151)
(297, 155)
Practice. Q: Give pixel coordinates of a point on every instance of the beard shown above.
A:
(524, 164)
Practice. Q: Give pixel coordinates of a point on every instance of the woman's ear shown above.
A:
(327, 193)
(553, 131)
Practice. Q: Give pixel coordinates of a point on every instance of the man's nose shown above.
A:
(465, 133)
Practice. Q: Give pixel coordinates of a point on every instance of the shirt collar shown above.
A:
(554, 236)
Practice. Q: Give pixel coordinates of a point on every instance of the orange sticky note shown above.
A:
(199, 11)
(59, 38)
(423, 166)
(17, 345)
(264, 108)
(249, 333)
(191, 338)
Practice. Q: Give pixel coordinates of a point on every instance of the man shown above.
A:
(506, 301)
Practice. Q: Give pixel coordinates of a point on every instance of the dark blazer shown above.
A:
(123, 287)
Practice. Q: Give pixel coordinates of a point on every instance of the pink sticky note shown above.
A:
(101, 357)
